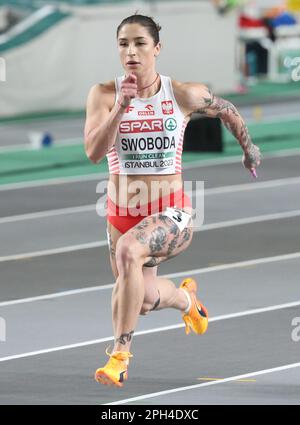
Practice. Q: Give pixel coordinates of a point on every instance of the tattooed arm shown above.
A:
(198, 98)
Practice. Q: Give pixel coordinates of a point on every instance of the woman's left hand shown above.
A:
(252, 159)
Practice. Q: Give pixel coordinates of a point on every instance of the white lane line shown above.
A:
(205, 227)
(283, 153)
(57, 295)
(53, 251)
(54, 182)
(202, 163)
(207, 384)
(150, 331)
(207, 192)
(248, 220)
(204, 270)
(251, 186)
(247, 263)
(48, 213)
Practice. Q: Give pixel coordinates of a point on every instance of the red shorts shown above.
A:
(122, 219)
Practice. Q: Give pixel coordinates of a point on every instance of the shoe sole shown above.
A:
(103, 378)
(190, 285)
(189, 323)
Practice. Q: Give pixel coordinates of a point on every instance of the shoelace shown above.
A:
(118, 355)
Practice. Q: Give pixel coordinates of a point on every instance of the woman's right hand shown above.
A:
(128, 90)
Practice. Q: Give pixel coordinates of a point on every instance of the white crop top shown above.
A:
(150, 135)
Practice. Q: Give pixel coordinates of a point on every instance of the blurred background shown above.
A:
(52, 52)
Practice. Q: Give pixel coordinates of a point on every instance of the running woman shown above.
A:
(137, 121)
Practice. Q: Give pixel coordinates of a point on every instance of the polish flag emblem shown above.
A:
(167, 107)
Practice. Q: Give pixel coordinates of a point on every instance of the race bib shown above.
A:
(179, 217)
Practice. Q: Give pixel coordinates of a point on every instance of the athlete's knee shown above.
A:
(128, 252)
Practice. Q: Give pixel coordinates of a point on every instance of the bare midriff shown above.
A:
(122, 188)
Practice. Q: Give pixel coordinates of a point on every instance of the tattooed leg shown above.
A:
(153, 240)
(169, 295)
(154, 261)
(157, 302)
(158, 239)
(141, 235)
(124, 338)
(186, 236)
(130, 291)
(161, 293)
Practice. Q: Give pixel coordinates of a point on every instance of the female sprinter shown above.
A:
(138, 122)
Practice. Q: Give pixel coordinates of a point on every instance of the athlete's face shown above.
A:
(136, 48)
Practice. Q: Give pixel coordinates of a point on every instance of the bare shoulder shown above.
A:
(103, 93)
(190, 95)
(100, 102)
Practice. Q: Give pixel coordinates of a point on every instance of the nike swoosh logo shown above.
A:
(202, 313)
(122, 376)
